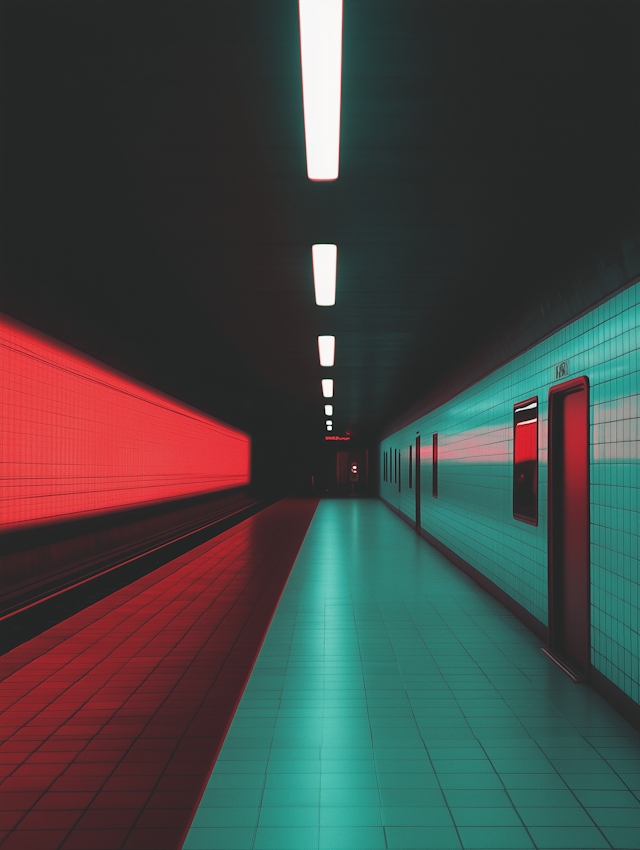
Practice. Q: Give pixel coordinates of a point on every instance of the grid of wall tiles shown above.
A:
(78, 437)
(472, 514)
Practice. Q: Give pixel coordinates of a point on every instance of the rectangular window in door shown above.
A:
(434, 488)
(410, 467)
(525, 461)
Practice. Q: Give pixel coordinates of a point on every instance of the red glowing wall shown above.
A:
(78, 437)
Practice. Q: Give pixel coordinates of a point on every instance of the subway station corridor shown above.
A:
(284, 283)
(396, 704)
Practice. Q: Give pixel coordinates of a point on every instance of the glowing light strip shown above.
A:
(325, 264)
(327, 387)
(328, 410)
(526, 421)
(327, 350)
(527, 407)
(321, 55)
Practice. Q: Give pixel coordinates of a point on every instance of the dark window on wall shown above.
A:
(525, 461)
(395, 465)
(434, 488)
(410, 467)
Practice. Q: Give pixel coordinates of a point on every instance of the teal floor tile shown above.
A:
(536, 781)
(554, 816)
(349, 780)
(350, 816)
(286, 838)
(226, 817)
(226, 798)
(547, 798)
(478, 798)
(465, 766)
(480, 817)
(351, 797)
(291, 797)
(567, 837)
(421, 837)
(621, 837)
(420, 797)
(292, 780)
(289, 816)
(395, 705)
(495, 838)
(605, 799)
(351, 838)
(220, 839)
(416, 816)
(627, 817)
(471, 781)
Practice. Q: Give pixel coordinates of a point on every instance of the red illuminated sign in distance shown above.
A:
(79, 437)
(337, 438)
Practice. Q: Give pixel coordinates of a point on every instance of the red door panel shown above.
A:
(569, 558)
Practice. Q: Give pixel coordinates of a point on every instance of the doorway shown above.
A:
(569, 545)
(349, 482)
(416, 478)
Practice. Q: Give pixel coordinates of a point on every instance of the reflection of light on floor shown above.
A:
(394, 704)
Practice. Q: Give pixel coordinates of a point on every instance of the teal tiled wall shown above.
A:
(473, 512)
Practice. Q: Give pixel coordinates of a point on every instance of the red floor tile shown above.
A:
(154, 839)
(108, 819)
(114, 718)
(26, 783)
(94, 839)
(9, 819)
(35, 839)
(65, 819)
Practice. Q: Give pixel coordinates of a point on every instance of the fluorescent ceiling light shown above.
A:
(329, 422)
(328, 410)
(321, 54)
(329, 427)
(327, 387)
(327, 350)
(325, 263)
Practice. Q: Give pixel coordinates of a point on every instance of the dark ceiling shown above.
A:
(156, 211)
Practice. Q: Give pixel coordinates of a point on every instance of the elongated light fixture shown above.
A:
(327, 387)
(325, 264)
(321, 55)
(328, 410)
(327, 350)
(329, 422)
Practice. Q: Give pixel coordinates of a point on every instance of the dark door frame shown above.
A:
(555, 641)
(417, 484)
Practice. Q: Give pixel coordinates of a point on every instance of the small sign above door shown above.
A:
(562, 370)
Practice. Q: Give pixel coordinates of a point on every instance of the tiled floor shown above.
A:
(111, 720)
(394, 704)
